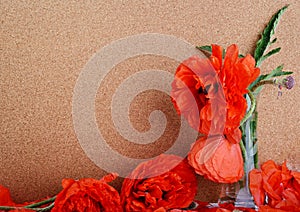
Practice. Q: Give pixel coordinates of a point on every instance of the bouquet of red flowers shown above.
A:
(217, 96)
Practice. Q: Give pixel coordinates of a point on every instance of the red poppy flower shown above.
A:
(209, 93)
(88, 195)
(217, 159)
(236, 75)
(279, 184)
(196, 86)
(160, 184)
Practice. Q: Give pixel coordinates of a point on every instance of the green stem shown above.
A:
(243, 149)
(251, 110)
(41, 203)
(263, 82)
(8, 208)
(49, 207)
(256, 161)
(33, 206)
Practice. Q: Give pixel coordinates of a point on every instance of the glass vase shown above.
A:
(249, 149)
(238, 193)
(228, 193)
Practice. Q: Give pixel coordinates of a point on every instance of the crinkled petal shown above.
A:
(255, 185)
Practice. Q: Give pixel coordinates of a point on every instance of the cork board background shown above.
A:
(45, 45)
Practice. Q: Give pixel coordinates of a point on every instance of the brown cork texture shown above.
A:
(45, 45)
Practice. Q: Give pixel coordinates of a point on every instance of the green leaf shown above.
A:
(270, 53)
(204, 48)
(274, 40)
(267, 34)
(277, 72)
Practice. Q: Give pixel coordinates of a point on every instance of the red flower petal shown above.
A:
(256, 188)
(217, 52)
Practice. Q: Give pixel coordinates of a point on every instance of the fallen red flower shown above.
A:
(88, 195)
(160, 184)
(279, 184)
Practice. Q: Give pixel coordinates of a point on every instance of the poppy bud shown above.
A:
(289, 82)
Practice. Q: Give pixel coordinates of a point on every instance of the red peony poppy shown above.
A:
(279, 184)
(217, 159)
(195, 86)
(88, 195)
(160, 184)
(209, 93)
(236, 75)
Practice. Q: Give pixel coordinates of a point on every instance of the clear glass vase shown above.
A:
(238, 193)
(244, 198)
(228, 193)
(249, 146)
